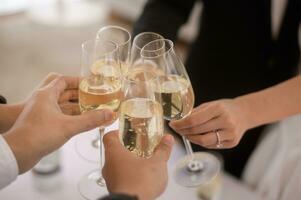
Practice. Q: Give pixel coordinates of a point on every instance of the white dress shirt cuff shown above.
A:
(8, 164)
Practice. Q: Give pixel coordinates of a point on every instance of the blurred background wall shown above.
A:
(42, 36)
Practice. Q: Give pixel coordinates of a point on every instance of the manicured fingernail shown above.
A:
(168, 140)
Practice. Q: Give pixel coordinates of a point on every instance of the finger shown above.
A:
(61, 83)
(213, 124)
(68, 95)
(70, 108)
(203, 105)
(163, 150)
(72, 82)
(111, 141)
(50, 77)
(89, 120)
(223, 145)
(203, 115)
(209, 138)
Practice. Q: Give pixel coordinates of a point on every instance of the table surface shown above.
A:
(63, 185)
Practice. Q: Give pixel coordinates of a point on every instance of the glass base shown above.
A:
(197, 169)
(92, 186)
(87, 146)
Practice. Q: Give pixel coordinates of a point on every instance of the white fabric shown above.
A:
(8, 165)
(277, 12)
(274, 169)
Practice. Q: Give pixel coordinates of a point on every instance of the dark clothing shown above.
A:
(119, 197)
(233, 54)
(2, 100)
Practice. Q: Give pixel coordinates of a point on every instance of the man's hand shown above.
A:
(42, 127)
(10, 112)
(124, 172)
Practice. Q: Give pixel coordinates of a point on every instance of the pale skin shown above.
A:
(12, 111)
(48, 118)
(43, 126)
(233, 117)
(124, 172)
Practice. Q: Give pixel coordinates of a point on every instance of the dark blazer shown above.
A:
(234, 52)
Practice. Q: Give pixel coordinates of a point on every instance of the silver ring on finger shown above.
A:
(218, 138)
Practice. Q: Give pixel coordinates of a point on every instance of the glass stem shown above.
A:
(188, 147)
(101, 134)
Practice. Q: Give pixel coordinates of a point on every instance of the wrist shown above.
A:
(9, 114)
(248, 113)
(19, 141)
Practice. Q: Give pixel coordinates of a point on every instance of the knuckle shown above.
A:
(41, 93)
(191, 121)
(52, 75)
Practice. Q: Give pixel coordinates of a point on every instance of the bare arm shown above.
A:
(8, 115)
(272, 104)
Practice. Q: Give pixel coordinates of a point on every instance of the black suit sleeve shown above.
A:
(164, 17)
(119, 197)
(2, 100)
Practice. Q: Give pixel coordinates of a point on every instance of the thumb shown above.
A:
(89, 120)
(163, 150)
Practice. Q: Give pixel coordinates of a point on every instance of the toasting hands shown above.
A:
(124, 172)
(43, 126)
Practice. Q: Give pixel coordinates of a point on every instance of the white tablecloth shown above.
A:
(63, 185)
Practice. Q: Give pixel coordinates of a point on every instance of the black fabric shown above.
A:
(2, 100)
(119, 197)
(233, 54)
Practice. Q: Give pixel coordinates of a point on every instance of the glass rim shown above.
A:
(94, 41)
(119, 28)
(144, 33)
(151, 51)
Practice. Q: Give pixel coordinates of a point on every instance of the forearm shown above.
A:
(272, 104)
(19, 141)
(164, 17)
(8, 115)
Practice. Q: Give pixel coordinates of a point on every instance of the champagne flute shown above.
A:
(140, 118)
(99, 88)
(177, 99)
(88, 147)
(137, 69)
(122, 38)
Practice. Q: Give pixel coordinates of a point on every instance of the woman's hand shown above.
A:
(42, 127)
(216, 124)
(124, 172)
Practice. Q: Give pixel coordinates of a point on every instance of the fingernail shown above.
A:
(168, 140)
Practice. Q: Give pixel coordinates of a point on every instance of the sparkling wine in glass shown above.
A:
(99, 88)
(140, 118)
(177, 97)
(88, 147)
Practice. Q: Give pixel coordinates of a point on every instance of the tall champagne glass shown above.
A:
(140, 118)
(137, 69)
(87, 147)
(122, 38)
(100, 88)
(177, 99)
